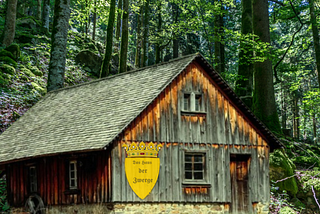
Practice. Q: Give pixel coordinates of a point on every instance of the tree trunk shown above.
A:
(175, 15)
(158, 48)
(264, 105)
(108, 53)
(124, 38)
(58, 44)
(314, 123)
(296, 130)
(94, 20)
(10, 23)
(45, 15)
(118, 22)
(39, 10)
(244, 84)
(145, 34)
(283, 109)
(138, 43)
(218, 44)
(316, 40)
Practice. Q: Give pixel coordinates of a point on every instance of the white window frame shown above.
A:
(75, 179)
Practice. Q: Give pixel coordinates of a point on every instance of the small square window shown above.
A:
(194, 166)
(73, 175)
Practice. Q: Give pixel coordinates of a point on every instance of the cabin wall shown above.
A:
(219, 129)
(170, 184)
(94, 179)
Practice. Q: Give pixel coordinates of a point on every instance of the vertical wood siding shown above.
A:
(219, 130)
(94, 179)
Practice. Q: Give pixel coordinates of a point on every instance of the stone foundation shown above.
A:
(171, 208)
(147, 208)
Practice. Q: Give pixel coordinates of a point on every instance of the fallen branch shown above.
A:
(315, 197)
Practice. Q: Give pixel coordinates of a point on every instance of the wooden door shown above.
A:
(239, 168)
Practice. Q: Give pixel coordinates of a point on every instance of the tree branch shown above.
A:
(291, 43)
(278, 2)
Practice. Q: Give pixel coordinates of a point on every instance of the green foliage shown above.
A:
(6, 53)
(4, 206)
(308, 179)
(8, 60)
(14, 49)
(27, 72)
(7, 69)
(36, 71)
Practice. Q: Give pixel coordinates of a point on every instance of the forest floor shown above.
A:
(23, 79)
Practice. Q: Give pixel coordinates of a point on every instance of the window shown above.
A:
(198, 102)
(33, 179)
(194, 166)
(73, 175)
(186, 102)
(192, 102)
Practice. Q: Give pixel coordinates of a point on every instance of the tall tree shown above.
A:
(10, 23)
(119, 12)
(316, 40)
(108, 53)
(159, 26)
(138, 40)
(145, 33)
(45, 15)
(218, 44)
(264, 105)
(39, 10)
(58, 44)
(244, 84)
(175, 15)
(124, 38)
(94, 20)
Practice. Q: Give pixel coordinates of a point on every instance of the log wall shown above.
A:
(94, 179)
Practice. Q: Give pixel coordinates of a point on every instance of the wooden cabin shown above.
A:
(66, 151)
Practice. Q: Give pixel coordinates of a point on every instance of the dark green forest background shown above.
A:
(268, 52)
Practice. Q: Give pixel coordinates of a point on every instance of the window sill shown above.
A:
(194, 113)
(196, 184)
(72, 192)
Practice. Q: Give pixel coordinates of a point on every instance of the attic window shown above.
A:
(73, 175)
(192, 102)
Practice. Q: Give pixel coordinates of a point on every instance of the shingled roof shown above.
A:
(91, 115)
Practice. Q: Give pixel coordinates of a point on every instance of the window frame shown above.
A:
(194, 105)
(33, 180)
(204, 179)
(75, 178)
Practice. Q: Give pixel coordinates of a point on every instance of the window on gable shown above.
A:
(33, 179)
(194, 166)
(192, 102)
(198, 102)
(186, 102)
(73, 175)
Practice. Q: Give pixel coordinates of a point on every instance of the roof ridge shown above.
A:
(125, 73)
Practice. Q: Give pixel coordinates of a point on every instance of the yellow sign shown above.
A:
(142, 167)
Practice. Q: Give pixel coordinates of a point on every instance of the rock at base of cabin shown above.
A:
(282, 172)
